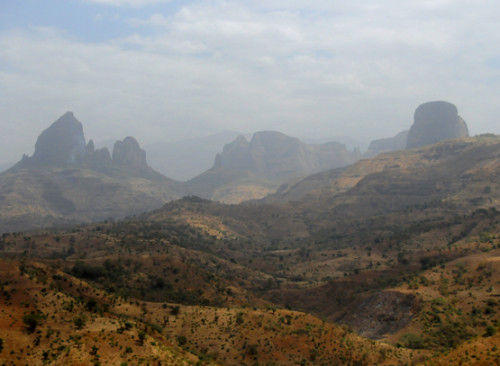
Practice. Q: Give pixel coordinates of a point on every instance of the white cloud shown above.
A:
(155, 20)
(324, 68)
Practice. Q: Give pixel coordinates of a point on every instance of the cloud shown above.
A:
(317, 69)
(155, 20)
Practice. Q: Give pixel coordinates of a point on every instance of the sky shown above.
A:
(163, 70)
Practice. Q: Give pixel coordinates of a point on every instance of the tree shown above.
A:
(411, 340)
(32, 320)
(142, 336)
(175, 310)
(182, 340)
(79, 322)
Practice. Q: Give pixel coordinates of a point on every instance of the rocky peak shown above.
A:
(90, 147)
(129, 153)
(234, 155)
(60, 144)
(433, 122)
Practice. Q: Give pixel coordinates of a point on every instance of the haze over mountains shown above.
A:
(402, 248)
(68, 180)
(185, 159)
(252, 169)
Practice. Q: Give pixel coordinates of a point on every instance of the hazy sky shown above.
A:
(166, 70)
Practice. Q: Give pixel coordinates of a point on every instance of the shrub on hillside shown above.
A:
(411, 340)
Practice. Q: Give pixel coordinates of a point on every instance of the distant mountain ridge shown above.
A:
(451, 170)
(251, 169)
(68, 181)
(63, 145)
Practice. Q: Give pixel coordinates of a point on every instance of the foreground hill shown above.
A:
(50, 317)
(67, 181)
(408, 287)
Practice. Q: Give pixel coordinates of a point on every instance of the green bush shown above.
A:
(175, 310)
(79, 322)
(413, 341)
(32, 320)
(142, 336)
(181, 340)
(490, 331)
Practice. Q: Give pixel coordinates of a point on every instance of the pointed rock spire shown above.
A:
(62, 143)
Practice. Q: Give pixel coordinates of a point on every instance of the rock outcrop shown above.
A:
(60, 144)
(129, 153)
(433, 122)
(235, 155)
(63, 145)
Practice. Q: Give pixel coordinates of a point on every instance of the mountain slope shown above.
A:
(449, 168)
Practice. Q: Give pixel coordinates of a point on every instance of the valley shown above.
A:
(392, 260)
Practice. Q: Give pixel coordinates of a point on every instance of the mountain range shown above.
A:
(68, 181)
(252, 169)
(390, 260)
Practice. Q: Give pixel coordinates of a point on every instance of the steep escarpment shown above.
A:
(62, 143)
(435, 121)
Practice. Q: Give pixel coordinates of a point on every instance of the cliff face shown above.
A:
(433, 122)
(62, 143)
(129, 153)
